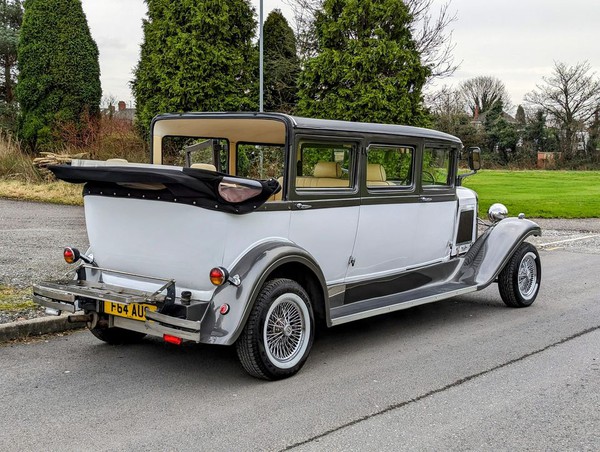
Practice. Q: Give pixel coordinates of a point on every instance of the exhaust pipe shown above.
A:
(81, 318)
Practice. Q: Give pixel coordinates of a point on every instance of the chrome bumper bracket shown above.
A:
(166, 324)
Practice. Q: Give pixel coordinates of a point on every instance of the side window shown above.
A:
(324, 165)
(437, 170)
(389, 166)
(260, 161)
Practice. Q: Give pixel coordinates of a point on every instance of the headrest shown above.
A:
(375, 172)
(328, 169)
(204, 166)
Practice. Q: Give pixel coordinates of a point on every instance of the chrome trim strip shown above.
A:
(169, 320)
(400, 306)
(336, 290)
(157, 329)
(370, 277)
(54, 304)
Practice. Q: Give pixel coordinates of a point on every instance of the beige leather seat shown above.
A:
(326, 174)
(376, 175)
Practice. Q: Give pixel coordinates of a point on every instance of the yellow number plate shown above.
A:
(135, 311)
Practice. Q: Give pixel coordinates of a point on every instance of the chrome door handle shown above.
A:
(303, 206)
(425, 199)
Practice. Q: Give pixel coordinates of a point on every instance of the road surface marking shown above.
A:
(570, 240)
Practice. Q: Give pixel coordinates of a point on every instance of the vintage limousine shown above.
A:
(250, 229)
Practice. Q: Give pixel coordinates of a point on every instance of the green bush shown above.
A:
(197, 55)
(59, 73)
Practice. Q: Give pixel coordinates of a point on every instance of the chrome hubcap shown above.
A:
(527, 276)
(286, 331)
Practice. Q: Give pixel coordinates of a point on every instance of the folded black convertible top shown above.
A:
(202, 188)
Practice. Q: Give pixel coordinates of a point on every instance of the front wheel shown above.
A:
(279, 333)
(519, 281)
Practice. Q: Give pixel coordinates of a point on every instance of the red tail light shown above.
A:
(71, 255)
(218, 276)
(172, 339)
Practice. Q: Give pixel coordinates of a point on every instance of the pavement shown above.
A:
(36, 327)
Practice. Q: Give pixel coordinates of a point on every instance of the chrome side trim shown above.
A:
(336, 290)
(401, 306)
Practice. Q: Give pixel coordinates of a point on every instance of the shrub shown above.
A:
(59, 73)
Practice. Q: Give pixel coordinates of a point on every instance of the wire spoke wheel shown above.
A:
(527, 277)
(285, 335)
(279, 333)
(519, 281)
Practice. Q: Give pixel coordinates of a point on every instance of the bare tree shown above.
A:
(570, 97)
(483, 92)
(429, 29)
(430, 32)
(445, 101)
(305, 12)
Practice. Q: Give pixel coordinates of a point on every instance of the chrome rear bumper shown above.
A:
(75, 295)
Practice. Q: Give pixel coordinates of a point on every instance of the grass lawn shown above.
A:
(14, 299)
(52, 192)
(539, 194)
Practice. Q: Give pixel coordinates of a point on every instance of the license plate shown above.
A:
(135, 311)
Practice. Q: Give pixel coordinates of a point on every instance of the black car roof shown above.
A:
(299, 122)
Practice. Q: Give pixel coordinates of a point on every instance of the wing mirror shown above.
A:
(474, 156)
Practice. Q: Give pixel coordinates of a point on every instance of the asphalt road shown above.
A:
(464, 374)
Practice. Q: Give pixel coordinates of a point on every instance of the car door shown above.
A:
(325, 201)
(388, 213)
(438, 203)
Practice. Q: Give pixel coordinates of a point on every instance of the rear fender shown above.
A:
(492, 250)
(253, 270)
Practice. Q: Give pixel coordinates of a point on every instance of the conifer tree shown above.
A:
(59, 72)
(367, 67)
(11, 16)
(282, 65)
(197, 55)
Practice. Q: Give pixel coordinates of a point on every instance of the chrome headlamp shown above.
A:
(497, 212)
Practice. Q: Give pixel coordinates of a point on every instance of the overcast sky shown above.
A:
(514, 40)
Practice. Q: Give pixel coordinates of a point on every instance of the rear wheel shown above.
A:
(279, 333)
(519, 281)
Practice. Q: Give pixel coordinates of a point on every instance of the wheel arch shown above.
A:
(493, 249)
(268, 260)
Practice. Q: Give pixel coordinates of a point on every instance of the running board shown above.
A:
(397, 302)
